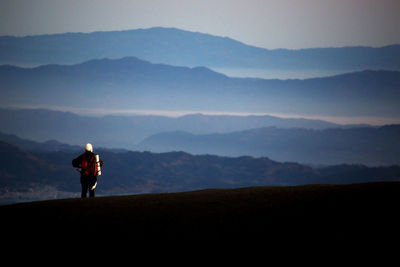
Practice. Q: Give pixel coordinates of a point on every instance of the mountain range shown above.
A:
(130, 82)
(125, 131)
(366, 145)
(183, 48)
(166, 69)
(138, 172)
(295, 140)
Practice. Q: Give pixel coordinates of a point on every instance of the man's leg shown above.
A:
(85, 186)
(84, 190)
(91, 193)
(93, 181)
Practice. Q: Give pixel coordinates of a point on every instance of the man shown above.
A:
(89, 170)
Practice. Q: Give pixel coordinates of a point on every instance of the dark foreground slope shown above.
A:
(301, 214)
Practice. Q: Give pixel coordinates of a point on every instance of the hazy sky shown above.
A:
(265, 23)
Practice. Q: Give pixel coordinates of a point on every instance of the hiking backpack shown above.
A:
(88, 165)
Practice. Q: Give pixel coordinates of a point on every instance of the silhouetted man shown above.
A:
(89, 164)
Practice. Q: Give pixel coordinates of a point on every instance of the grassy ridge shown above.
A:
(314, 213)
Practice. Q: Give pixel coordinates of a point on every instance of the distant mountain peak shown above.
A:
(131, 60)
(116, 65)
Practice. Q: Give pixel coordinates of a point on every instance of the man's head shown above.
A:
(89, 147)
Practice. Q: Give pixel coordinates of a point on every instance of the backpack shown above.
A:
(88, 165)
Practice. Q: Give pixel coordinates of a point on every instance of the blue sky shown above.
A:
(266, 23)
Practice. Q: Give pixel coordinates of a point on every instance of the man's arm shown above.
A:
(76, 163)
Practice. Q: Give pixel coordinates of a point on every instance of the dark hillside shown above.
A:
(130, 172)
(314, 214)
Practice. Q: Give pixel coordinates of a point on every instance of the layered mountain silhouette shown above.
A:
(178, 47)
(131, 82)
(296, 140)
(127, 171)
(365, 145)
(125, 131)
(138, 69)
